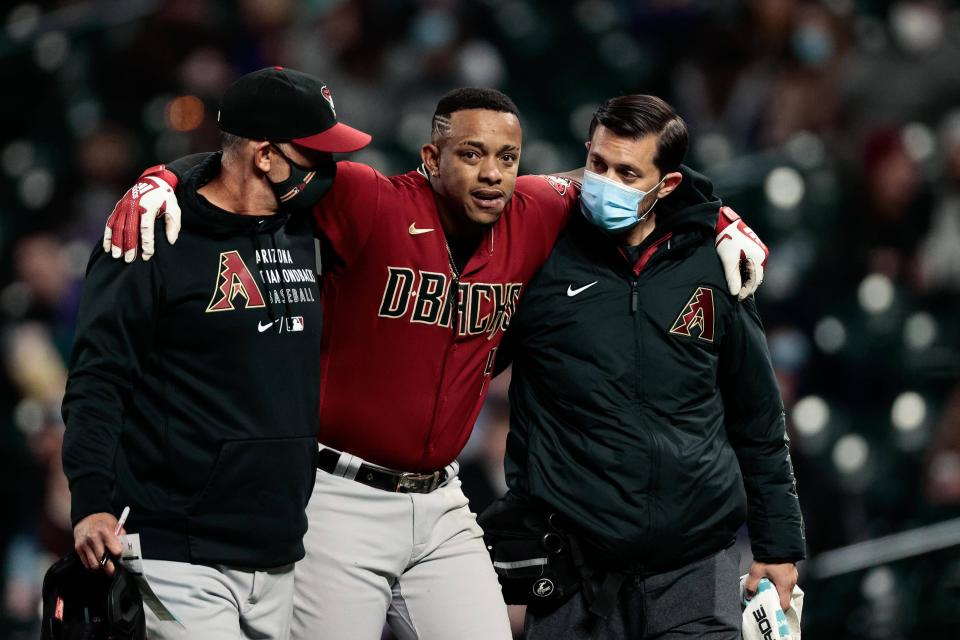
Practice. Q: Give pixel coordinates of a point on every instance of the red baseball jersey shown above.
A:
(408, 348)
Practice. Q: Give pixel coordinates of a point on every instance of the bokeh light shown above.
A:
(919, 141)
(909, 411)
(784, 187)
(810, 416)
(830, 335)
(805, 149)
(184, 113)
(875, 293)
(920, 330)
(51, 50)
(28, 416)
(17, 157)
(878, 583)
(36, 188)
(23, 20)
(850, 453)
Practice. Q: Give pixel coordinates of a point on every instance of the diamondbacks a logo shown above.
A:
(234, 280)
(696, 319)
(329, 98)
(559, 184)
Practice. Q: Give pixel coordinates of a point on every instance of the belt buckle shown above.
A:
(418, 482)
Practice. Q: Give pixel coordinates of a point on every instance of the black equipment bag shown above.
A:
(536, 557)
(79, 604)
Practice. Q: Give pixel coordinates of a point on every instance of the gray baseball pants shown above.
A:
(220, 603)
(416, 560)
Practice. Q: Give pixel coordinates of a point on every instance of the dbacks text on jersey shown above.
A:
(423, 297)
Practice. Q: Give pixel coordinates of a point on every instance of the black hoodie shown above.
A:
(194, 384)
(643, 403)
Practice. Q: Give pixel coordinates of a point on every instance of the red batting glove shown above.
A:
(741, 252)
(134, 214)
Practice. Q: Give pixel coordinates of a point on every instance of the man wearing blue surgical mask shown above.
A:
(645, 413)
(624, 178)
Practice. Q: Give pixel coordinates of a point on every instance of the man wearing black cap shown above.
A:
(189, 399)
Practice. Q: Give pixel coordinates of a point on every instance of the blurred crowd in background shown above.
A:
(832, 126)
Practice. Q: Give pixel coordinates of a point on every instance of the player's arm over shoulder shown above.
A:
(552, 189)
(551, 199)
(349, 212)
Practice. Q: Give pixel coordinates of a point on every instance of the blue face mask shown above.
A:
(610, 205)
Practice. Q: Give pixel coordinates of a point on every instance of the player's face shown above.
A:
(476, 170)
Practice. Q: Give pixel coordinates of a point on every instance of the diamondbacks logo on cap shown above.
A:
(325, 92)
(696, 319)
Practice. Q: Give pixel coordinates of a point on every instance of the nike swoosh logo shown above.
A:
(263, 327)
(415, 232)
(572, 292)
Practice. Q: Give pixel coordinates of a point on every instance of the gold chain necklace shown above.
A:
(453, 265)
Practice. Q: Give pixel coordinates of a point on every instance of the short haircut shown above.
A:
(230, 142)
(469, 98)
(636, 116)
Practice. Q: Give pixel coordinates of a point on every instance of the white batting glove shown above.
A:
(741, 252)
(134, 214)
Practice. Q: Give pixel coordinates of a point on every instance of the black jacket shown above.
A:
(643, 403)
(194, 384)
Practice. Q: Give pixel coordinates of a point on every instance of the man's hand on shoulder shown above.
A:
(741, 252)
(93, 536)
(782, 575)
(131, 222)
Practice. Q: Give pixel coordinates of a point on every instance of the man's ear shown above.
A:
(430, 155)
(263, 153)
(670, 182)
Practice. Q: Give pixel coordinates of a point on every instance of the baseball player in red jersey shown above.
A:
(422, 274)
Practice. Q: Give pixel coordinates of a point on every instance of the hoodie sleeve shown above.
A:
(115, 332)
(755, 424)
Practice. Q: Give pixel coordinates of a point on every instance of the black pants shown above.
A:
(700, 600)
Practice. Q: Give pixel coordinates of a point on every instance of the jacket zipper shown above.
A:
(638, 391)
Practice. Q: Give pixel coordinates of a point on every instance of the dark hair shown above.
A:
(471, 98)
(635, 116)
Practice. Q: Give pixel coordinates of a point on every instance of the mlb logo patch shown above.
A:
(58, 609)
(295, 323)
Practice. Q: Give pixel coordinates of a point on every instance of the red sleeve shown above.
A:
(555, 199)
(348, 214)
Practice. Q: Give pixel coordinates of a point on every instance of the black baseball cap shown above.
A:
(284, 105)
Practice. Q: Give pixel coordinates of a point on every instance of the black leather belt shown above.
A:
(393, 481)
